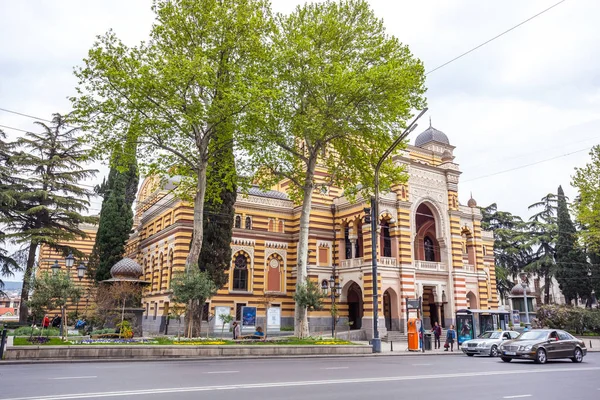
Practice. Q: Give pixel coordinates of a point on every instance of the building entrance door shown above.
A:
(355, 306)
(387, 310)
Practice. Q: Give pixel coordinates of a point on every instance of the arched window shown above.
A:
(386, 240)
(240, 273)
(170, 270)
(484, 251)
(248, 223)
(161, 265)
(281, 227)
(429, 249)
(238, 221)
(359, 242)
(348, 243)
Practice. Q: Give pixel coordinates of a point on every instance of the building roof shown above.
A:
(7, 310)
(274, 194)
(431, 135)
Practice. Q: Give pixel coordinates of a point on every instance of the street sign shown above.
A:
(413, 304)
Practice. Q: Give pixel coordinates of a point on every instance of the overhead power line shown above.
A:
(526, 165)
(494, 38)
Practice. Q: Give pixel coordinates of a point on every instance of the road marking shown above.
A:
(420, 365)
(518, 396)
(336, 368)
(221, 372)
(75, 377)
(146, 392)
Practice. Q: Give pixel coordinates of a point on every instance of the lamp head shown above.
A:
(69, 260)
(55, 267)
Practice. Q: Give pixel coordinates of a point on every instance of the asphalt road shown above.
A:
(387, 377)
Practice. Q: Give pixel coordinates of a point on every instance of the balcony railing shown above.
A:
(469, 267)
(352, 262)
(430, 265)
(360, 262)
(388, 261)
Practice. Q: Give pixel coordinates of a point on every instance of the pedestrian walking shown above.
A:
(437, 332)
(450, 336)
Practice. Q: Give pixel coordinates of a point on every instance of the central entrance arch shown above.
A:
(355, 306)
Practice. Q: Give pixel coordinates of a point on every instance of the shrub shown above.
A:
(574, 319)
(26, 331)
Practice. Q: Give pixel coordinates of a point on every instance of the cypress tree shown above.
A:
(116, 215)
(49, 210)
(215, 256)
(572, 263)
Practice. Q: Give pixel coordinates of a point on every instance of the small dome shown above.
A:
(447, 156)
(472, 203)
(126, 269)
(431, 135)
(518, 290)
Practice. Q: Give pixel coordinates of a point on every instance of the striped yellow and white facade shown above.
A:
(429, 246)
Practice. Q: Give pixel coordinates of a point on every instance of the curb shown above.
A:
(162, 359)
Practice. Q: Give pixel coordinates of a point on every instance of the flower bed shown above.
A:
(113, 341)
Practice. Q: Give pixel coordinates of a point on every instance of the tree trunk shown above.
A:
(23, 309)
(197, 235)
(547, 282)
(301, 323)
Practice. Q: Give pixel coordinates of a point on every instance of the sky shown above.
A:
(523, 110)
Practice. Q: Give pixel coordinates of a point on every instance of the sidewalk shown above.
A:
(401, 349)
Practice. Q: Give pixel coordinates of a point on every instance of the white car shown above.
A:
(487, 343)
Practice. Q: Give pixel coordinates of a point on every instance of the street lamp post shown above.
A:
(376, 341)
(334, 291)
(524, 285)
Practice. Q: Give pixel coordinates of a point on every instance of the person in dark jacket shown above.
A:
(450, 336)
(437, 332)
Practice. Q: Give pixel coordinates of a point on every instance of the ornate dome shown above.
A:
(431, 135)
(472, 203)
(518, 290)
(126, 270)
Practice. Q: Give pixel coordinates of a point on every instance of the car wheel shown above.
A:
(494, 351)
(506, 359)
(541, 357)
(470, 354)
(578, 357)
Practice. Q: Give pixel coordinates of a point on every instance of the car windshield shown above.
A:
(490, 335)
(533, 335)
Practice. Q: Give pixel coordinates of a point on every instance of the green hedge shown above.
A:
(573, 319)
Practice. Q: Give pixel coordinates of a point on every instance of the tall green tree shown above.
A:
(343, 89)
(116, 215)
(587, 207)
(542, 237)
(8, 185)
(511, 245)
(50, 210)
(587, 211)
(572, 271)
(202, 67)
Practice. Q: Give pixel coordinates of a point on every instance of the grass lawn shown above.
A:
(53, 341)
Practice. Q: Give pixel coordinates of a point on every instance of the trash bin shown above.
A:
(427, 341)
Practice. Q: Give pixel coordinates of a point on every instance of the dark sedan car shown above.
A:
(541, 345)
